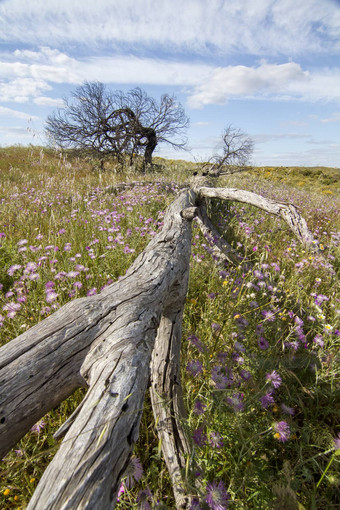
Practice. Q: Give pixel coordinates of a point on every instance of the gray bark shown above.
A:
(105, 342)
(288, 212)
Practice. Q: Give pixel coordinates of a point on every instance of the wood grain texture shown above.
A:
(88, 467)
(288, 212)
(106, 343)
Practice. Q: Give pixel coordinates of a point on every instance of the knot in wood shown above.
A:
(189, 213)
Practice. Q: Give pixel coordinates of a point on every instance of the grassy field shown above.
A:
(260, 347)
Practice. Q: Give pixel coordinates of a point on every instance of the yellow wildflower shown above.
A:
(6, 492)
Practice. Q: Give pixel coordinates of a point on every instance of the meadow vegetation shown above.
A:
(260, 347)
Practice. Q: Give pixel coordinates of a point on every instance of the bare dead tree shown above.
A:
(235, 150)
(115, 343)
(103, 122)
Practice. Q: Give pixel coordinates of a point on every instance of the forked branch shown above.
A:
(105, 342)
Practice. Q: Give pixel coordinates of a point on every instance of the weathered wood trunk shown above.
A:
(105, 343)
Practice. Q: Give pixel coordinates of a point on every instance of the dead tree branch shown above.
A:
(105, 342)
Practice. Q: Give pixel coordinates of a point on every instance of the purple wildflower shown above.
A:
(13, 268)
(12, 309)
(239, 347)
(72, 274)
(262, 343)
(216, 440)
(287, 409)
(195, 367)
(337, 442)
(222, 377)
(267, 400)
(217, 497)
(121, 491)
(215, 327)
(241, 322)
(199, 437)
(299, 322)
(268, 315)
(38, 427)
(195, 505)
(320, 298)
(282, 431)
(199, 407)
(144, 498)
(259, 330)
(92, 292)
(222, 357)
(51, 296)
(134, 472)
(274, 378)
(196, 342)
(245, 375)
(318, 340)
(235, 401)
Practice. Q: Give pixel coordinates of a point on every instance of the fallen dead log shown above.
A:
(106, 343)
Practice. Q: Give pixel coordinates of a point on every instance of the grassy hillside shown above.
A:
(260, 348)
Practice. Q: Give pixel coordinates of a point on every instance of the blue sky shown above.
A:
(269, 67)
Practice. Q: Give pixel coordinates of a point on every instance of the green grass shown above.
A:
(60, 217)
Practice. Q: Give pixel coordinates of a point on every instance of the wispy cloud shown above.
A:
(270, 137)
(28, 74)
(335, 117)
(322, 156)
(195, 25)
(17, 114)
(201, 123)
(33, 71)
(49, 101)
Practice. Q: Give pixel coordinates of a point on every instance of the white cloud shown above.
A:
(48, 101)
(17, 114)
(32, 72)
(20, 89)
(201, 123)
(335, 117)
(264, 27)
(283, 82)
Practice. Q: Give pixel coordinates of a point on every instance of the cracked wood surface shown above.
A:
(105, 342)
